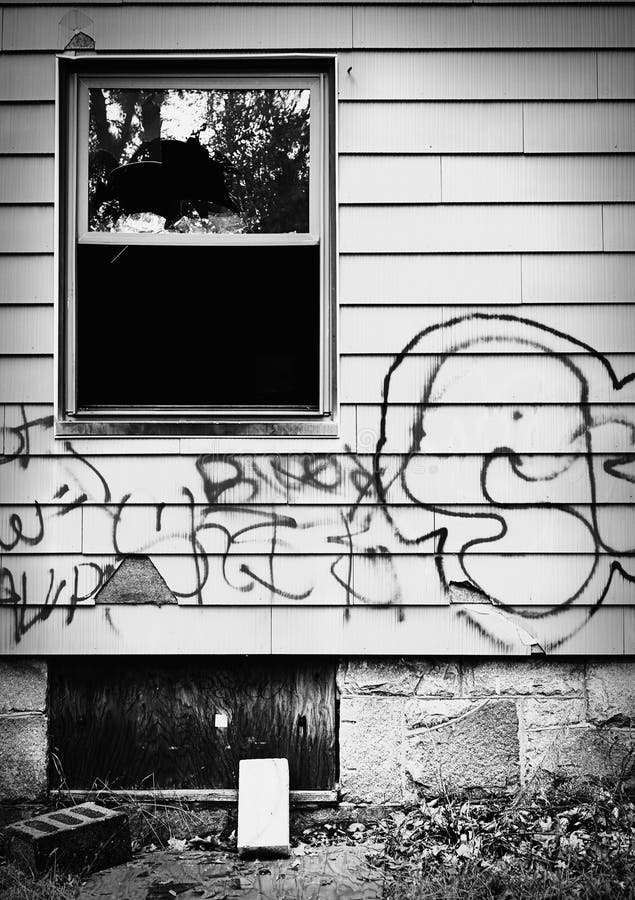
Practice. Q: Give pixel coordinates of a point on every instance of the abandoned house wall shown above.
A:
(477, 500)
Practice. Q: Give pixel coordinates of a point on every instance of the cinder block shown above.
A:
(22, 685)
(23, 757)
(263, 807)
(83, 838)
(371, 738)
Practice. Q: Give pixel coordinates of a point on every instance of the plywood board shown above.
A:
(578, 278)
(26, 229)
(433, 278)
(468, 75)
(184, 27)
(27, 76)
(26, 179)
(619, 226)
(383, 329)
(616, 75)
(479, 429)
(431, 128)
(389, 179)
(492, 26)
(27, 128)
(26, 279)
(26, 330)
(464, 379)
(26, 379)
(579, 127)
(530, 179)
(456, 229)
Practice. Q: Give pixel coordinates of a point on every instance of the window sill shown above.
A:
(324, 427)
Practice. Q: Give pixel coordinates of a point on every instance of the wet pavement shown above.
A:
(325, 873)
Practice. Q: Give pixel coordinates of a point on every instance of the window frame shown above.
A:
(75, 75)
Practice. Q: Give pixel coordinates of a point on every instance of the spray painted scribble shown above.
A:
(376, 526)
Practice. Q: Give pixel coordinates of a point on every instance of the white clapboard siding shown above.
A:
(50, 529)
(469, 75)
(384, 329)
(27, 76)
(118, 629)
(616, 75)
(26, 329)
(389, 179)
(486, 379)
(27, 128)
(432, 128)
(26, 279)
(480, 429)
(578, 278)
(183, 27)
(26, 379)
(601, 127)
(619, 227)
(428, 26)
(533, 179)
(489, 229)
(26, 229)
(26, 179)
(68, 579)
(143, 480)
(494, 278)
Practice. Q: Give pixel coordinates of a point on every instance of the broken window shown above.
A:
(197, 280)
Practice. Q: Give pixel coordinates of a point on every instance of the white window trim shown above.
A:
(75, 74)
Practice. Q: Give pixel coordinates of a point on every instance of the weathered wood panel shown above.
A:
(26, 179)
(27, 77)
(27, 128)
(468, 278)
(578, 278)
(619, 227)
(546, 179)
(489, 229)
(433, 128)
(616, 75)
(26, 379)
(493, 26)
(26, 229)
(489, 330)
(154, 723)
(179, 28)
(465, 75)
(26, 279)
(479, 429)
(26, 330)
(389, 179)
(487, 379)
(579, 127)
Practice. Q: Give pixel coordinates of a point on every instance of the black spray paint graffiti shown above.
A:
(229, 532)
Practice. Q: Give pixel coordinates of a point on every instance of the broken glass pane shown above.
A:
(229, 161)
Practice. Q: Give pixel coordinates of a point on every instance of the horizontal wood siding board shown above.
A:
(27, 76)
(578, 278)
(489, 229)
(605, 328)
(431, 127)
(452, 630)
(26, 179)
(26, 379)
(27, 128)
(26, 279)
(526, 428)
(184, 28)
(616, 75)
(601, 127)
(26, 330)
(26, 229)
(493, 26)
(389, 179)
(469, 75)
(619, 227)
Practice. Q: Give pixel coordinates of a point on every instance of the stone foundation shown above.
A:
(413, 727)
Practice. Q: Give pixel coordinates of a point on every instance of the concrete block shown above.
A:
(576, 752)
(492, 678)
(399, 677)
(22, 685)
(23, 760)
(611, 691)
(263, 807)
(371, 736)
(472, 748)
(549, 712)
(84, 838)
